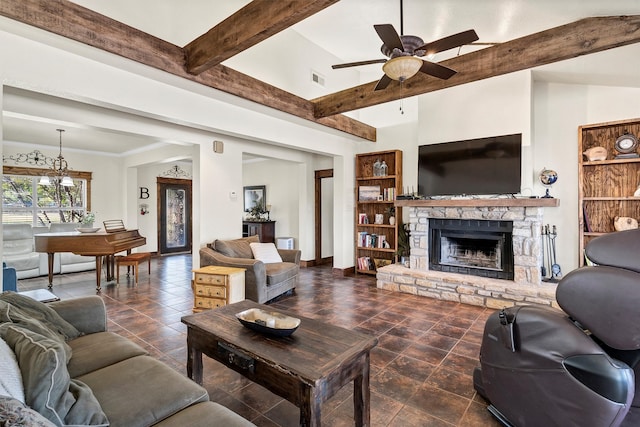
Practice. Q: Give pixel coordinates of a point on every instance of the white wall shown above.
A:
(491, 107)
(282, 187)
(558, 111)
(326, 212)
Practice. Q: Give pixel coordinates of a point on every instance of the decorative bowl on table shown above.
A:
(87, 230)
(268, 322)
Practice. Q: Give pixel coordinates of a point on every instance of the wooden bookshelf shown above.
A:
(376, 243)
(605, 187)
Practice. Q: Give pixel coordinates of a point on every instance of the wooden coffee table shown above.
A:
(306, 368)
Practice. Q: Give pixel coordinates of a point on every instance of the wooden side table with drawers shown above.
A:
(215, 286)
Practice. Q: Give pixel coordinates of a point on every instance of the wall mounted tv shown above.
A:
(484, 166)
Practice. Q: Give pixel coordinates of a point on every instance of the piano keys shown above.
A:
(89, 244)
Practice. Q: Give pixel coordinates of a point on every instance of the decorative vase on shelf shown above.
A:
(392, 220)
(383, 168)
(376, 168)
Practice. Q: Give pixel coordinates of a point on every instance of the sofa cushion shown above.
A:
(265, 252)
(10, 376)
(47, 385)
(280, 272)
(17, 239)
(238, 248)
(23, 261)
(95, 351)
(202, 414)
(14, 413)
(141, 391)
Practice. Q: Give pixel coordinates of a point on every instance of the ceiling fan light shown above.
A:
(67, 182)
(402, 68)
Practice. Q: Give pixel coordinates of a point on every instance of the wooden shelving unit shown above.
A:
(369, 250)
(605, 187)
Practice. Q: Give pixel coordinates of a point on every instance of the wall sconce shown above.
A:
(144, 209)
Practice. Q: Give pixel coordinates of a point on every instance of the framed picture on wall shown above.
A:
(254, 195)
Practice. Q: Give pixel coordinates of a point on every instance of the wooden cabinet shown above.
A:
(266, 230)
(606, 187)
(378, 182)
(215, 286)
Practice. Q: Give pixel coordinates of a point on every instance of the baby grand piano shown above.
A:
(101, 244)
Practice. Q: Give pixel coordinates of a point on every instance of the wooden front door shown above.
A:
(174, 219)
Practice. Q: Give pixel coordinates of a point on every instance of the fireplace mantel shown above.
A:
(480, 203)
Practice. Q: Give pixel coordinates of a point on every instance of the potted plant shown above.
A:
(256, 212)
(88, 219)
(391, 211)
(404, 247)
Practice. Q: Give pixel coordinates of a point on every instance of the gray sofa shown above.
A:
(263, 281)
(107, 380)
(19, 251)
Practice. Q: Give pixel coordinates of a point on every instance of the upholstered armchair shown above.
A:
(263, 280)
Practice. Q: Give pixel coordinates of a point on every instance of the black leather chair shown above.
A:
(541, 366)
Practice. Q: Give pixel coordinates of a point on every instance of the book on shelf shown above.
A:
(389, 194)
(372, 240)
(366, 263)
(372, 264)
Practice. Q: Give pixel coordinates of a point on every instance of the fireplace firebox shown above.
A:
(468, 246)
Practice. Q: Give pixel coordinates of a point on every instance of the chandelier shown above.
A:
(59, 169)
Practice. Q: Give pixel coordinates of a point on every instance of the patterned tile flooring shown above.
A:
(421, 370)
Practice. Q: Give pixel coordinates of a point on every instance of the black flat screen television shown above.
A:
(484, 166)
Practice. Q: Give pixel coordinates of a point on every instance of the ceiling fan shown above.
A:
(404, 51)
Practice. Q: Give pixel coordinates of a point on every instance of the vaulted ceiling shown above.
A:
(244, 48)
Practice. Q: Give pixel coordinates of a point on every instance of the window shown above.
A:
(26, 201)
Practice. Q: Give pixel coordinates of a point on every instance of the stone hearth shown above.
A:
(527, 286)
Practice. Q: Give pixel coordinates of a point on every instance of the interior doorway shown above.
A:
(324, 216)
(174, 215)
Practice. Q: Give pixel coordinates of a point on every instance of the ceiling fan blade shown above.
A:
(383, 82)
(449, 42)
(437, 70)
(355, 64)
(389, 36)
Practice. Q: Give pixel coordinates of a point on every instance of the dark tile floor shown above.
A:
(421, 373)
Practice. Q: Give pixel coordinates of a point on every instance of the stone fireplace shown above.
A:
(467, 246)
(484, 252)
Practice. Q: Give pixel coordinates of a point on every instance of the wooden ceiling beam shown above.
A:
(579, 38)
(252, 24)
(83, 25)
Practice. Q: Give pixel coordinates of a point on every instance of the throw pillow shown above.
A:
(265, 252)
(12, 315)
(42, 313)
(238, 248)
(14, 413)
(47, 386)
(10, 376)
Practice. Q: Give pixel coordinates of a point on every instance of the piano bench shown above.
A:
(132, 260)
